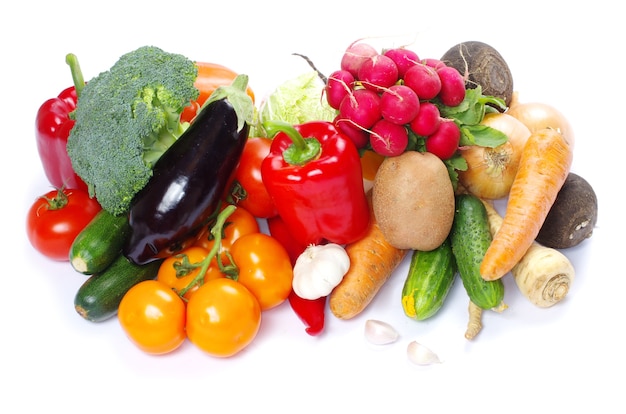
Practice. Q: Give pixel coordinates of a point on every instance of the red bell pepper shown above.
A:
(313, 174)
(52, 128)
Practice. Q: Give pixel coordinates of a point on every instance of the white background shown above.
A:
(526, 359)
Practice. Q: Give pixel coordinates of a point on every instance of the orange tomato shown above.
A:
(210, 77)
(153, 317)
(178, 271)
(239, 223)
(223, 317)
(264, 268)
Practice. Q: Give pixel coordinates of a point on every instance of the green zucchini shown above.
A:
(99, 297)
(470, 237)
(99, 243)
(431, 275)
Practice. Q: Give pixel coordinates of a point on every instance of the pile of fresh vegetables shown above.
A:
(164, 169)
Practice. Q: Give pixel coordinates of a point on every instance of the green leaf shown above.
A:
(482, 135)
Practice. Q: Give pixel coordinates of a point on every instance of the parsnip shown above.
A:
(543, 275)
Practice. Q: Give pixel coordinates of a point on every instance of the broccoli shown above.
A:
(126, 118)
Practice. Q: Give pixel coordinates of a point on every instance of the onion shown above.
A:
(490, 171)
(537, 116)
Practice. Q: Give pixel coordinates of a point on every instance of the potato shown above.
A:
(413, 200)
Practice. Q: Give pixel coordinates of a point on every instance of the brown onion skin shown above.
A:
(539, 115)
(490, 171)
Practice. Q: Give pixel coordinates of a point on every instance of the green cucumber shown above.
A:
(99, 297)
(471, 237)
(430, 277)
(99, 243)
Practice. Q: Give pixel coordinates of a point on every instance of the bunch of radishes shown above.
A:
(381, 98)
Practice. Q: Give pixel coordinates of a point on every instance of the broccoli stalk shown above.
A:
(126, 118)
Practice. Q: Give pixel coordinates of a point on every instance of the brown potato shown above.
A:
(413, 200)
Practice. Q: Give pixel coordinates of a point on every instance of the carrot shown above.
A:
(372, 261)
(543, 275)
(544, 165)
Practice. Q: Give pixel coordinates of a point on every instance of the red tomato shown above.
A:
(153, 317)
(248, 190)
(55, 219)
(223, 317)
(239, 223)
(264, 268)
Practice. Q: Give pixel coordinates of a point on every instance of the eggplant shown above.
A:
(188, 181)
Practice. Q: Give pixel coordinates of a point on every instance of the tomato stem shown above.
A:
(216, 232)
(57, 202)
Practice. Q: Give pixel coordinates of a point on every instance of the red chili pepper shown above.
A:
(313, 174)
(52, 128)
(311, 312)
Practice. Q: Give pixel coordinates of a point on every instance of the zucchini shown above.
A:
(99, 243)
(99, 297)
(470, 237)
(431, 275)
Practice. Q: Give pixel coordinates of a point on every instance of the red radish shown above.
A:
(445, 141)
(403, 58)
(359, 136)
(354, 56)
(339, 85)
(399, 104)
(427, 120)
(433, 63)
(424, 80)
(388, 139)
(378, 72)
(452, 86)
(362, 107)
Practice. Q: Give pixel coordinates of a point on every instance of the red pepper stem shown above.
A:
(301, 150)
(77, 74)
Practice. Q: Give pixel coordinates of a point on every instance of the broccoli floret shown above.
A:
(126, 118)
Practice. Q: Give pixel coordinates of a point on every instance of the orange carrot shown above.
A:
(545, 162)
(372, 261)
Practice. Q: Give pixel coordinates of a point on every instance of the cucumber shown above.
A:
(99, 297)
(99, 243)
(430, 277)
(470, 237)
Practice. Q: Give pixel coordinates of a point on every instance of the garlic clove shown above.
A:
(379, 332)
(421, 355)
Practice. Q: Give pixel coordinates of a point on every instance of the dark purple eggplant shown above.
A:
(190, 178)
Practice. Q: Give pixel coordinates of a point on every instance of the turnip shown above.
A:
(378, 72)
(354, 56)
(481, 64)
(362, 107)
(399, 104)
(403, 58)
(452, 86)
(388, 139)
(424, 80)
(445, 141)
(339, 85)
(427, 119)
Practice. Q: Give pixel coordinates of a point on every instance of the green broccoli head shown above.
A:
(126, 118)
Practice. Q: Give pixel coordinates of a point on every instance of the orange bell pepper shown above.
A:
(210, 77)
